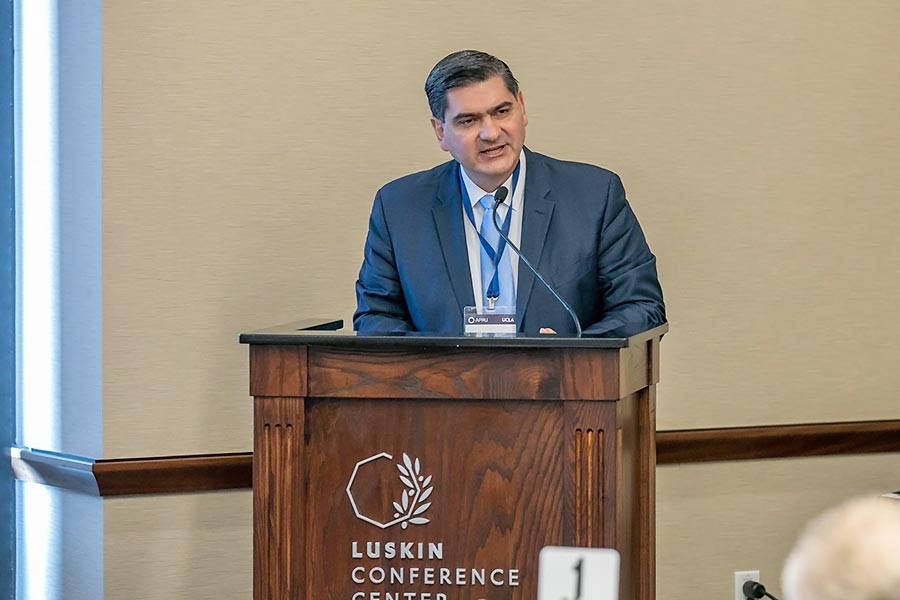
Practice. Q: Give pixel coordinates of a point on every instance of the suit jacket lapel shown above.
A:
(537, 211)
(447, 212)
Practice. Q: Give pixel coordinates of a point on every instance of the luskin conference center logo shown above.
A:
(411, 493)
(384, 494)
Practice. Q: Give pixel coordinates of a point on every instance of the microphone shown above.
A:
(499, 196)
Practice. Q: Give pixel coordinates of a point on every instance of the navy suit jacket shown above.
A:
(577, 229)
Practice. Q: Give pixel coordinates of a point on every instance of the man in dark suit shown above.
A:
(426, 254)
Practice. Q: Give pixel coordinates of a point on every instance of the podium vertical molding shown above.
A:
(647, 493)
(589, 481)
(278, 382)
(647, 476)
(279, 492)
(637, 492)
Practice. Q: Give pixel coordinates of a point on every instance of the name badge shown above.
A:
(500, 320)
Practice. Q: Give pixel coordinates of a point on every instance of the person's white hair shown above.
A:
(851, 552)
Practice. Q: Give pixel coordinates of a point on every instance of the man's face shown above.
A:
(484, 130)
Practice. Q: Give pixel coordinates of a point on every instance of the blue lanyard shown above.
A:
(493, 291)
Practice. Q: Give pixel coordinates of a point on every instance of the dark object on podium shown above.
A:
(418, 467)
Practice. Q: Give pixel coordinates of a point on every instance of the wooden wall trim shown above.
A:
(776, 441)
(123, 476)
(206, 472)
(174, 474)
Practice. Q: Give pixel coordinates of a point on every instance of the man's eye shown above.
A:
(465, 122)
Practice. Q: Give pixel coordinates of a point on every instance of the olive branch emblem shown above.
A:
(418, 489)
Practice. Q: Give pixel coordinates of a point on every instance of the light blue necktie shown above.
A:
(492, 237)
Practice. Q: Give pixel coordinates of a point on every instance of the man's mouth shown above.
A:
(494, 151)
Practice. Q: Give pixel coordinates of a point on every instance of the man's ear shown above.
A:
(439, 133)
(524, 114)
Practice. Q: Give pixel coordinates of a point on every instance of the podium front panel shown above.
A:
(446, 500)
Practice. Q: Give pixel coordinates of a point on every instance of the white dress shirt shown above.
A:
(473, 245)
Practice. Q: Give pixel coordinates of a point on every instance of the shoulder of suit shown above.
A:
(568, 168)
(416, 185)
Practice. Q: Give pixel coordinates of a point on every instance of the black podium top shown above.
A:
(326, 332)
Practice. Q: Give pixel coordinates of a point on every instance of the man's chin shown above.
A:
(497, 168)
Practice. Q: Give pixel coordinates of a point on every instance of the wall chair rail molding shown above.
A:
(207, 472)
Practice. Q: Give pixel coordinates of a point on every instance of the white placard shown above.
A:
(500, 320)
(578, 574)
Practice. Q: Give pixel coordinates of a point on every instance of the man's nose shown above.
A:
(489, 129)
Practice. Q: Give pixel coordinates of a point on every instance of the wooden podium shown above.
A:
(433, 468)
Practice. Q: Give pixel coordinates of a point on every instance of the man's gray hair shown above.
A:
(848, 553)
(461, 69)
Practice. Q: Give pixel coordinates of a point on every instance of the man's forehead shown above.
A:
(478, 97)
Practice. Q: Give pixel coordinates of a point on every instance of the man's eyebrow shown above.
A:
(492, 110)
(466, 116)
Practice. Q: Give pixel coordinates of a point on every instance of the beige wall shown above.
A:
(194, 546)
(243, 142)
(717, 518)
